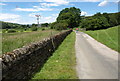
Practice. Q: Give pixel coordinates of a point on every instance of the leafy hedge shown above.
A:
(11, 31)
(100, 21)
(34, 28)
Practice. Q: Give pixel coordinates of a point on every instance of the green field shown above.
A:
(62, 64)
(109, 37)
(11, 41)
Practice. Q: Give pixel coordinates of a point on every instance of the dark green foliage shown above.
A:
(25, 29)
(28, 26)
(11, 31)
(43, 29)
(3, 30)
(60, 26)
(114, 19)
(100, 21)
(6, 25)
(71, 16)
(52, 25)
(34, 28)
(44, 25)
(68, 18)
(34, 25)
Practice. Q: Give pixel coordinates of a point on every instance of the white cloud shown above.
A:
(83, 13)
(44, 6)
(35, 8)
(56, 15)
(45, 9)
(57, 2)
(117, 1)
(49, 19)
(54, 3)
(2, 4)
(90, 0)
(8, 16)
(43, 19)
(48, 5)
(103, 3)
(25, 9)
(13, 20)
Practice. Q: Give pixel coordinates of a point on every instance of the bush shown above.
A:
(34, 28)
(52, 25)
(11, 31)
(3, 30)
(25, 29)
(60, 26)
(43, 29)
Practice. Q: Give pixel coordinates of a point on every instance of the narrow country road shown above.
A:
(95, 60)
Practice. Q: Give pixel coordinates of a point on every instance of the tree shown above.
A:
(52, 25)
(98, 14)
(34, 25)
(98, 21)
(71, 16)
(106, 15)
(28, 26)
(114, 19)
(44, 25)
(61, 25)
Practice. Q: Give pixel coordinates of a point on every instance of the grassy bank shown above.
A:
(62, 64)
(11, 41)
(109, 37)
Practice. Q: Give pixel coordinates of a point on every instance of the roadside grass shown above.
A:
(62, 64)
(109, 37)
(11, 41)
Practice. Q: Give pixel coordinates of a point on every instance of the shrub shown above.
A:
(25, 29)
(3, 30)
(43, 29)
(60, 26)
(52, 25)
(11, 31)
(34, 28)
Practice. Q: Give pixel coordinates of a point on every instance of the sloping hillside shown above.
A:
(109, 36)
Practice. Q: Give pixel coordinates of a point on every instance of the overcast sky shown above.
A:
(23, 12)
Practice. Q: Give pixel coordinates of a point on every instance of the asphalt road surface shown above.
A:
(95, 60)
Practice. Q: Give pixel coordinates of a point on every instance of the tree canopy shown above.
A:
(100, 21)
(68, 17)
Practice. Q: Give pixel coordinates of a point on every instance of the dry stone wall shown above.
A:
(22, 63)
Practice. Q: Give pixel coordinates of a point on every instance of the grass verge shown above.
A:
(62, 64)
(109, 37)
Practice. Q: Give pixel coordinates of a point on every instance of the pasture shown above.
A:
(109, 37)
(11, 41)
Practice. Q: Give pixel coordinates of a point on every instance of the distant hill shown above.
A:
(8, 25)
